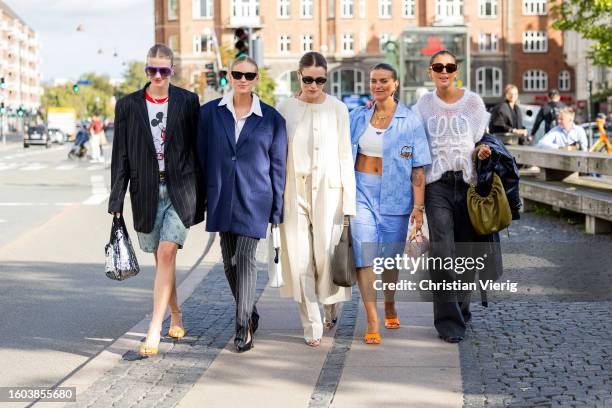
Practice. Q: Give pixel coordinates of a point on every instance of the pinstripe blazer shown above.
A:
(134, 159)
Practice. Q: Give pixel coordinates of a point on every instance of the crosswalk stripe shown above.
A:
(33, 167)
(66, 167)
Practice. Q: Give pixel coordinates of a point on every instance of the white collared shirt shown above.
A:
(228, 100)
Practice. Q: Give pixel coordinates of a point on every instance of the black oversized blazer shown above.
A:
(134, 159)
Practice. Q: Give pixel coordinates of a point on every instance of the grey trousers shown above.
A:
(240, 267)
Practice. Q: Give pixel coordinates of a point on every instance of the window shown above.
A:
(347, 8)
(449, 9)
(384, 8)
(535, 41)
(284, 8)
(362, 8)
(202, 9)
(332, 8)
(172, 8)
(307, 43)
(534, 7)
(488, 42)
(284, 43)
(384, 39)
(202, 44)
(306, 8)
(488, 81)
(535, 80)
(173, 42)
(348, 43)
(408, 8)
(332, 43)
(347, 82)
(564, 81)
(488, 8)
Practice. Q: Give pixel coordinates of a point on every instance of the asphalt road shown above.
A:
(58, 309)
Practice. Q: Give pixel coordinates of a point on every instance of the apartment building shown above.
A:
(19, 63)
(497, 41)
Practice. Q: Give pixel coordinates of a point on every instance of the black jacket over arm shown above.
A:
(134, 159)
(504, 118)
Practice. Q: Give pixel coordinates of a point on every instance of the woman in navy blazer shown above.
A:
(242, 149)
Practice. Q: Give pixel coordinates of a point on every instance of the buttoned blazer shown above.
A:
(243, 181)
(134, 159)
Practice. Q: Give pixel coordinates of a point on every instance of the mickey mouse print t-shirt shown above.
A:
(158, 113)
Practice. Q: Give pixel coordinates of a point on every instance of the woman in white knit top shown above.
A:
(319, 193)
(454, 120)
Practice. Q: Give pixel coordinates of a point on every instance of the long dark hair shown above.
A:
(312, 59)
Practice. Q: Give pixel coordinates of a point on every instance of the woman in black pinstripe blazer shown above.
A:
(154, 151)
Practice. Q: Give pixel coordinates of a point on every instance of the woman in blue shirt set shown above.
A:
(390, 149)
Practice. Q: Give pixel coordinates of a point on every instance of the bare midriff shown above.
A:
(369, 164)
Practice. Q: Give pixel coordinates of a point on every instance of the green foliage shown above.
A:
(265, 87)
(86, 102)
(591, 19)
(134, 78)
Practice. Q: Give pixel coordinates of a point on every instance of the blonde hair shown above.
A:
(509, 88)
(161, 51)
(244, 58)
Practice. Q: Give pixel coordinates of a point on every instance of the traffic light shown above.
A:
(75, 88)
(2, 83)
(20, 111)
(2, 108)
(211, 76)
(242, 42)
(222, 79)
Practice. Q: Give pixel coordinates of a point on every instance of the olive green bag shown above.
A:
(491, 213)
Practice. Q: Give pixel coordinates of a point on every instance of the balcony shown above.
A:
(244, 13)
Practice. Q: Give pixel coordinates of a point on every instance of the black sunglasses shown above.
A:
(439, 67)
(309, 80)
(151, 71)
(248, 75)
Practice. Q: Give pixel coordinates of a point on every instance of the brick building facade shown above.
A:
(500, 41)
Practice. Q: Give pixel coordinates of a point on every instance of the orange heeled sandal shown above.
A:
(176, 332)
(147, 351)
(392, 323)
(372, 338)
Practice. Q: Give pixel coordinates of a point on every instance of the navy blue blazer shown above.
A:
(244, 182)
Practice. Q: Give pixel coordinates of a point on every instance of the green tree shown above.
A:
(134, 78)
(591, 19)
(265, 87)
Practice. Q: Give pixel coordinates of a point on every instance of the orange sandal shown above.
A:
(176, 332)
(372, 338)
(392, 323)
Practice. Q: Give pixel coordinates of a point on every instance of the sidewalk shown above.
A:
(411, 368)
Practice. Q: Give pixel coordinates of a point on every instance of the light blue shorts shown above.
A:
(168, 225)
(375, 235)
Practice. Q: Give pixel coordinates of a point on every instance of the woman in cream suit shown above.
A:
(319, 193)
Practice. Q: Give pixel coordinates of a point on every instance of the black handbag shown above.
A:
(121, 262)
(343, 262)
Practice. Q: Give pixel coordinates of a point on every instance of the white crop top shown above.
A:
(371, 142)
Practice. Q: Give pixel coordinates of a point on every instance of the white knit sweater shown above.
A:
(452, 131)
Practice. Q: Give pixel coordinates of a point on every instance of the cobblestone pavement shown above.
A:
(164, 379)
(541, 347)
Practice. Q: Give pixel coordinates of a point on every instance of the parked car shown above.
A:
(57, 136)
(37, 135)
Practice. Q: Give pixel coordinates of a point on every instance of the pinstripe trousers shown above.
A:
(238, 254)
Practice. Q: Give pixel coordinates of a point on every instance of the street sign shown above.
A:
(84, 82)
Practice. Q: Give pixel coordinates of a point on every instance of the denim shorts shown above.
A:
(374, 234)
(168, 225)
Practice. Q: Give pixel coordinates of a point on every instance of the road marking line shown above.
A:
(33, 167)
(66, 166)
(99, 192)
(35, 204)
(28, 237)
(2, 221)
(8, 166)
(94, 167)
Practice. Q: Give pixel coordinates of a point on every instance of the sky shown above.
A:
(122, 26)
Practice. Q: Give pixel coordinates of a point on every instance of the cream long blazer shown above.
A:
(333, 195)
